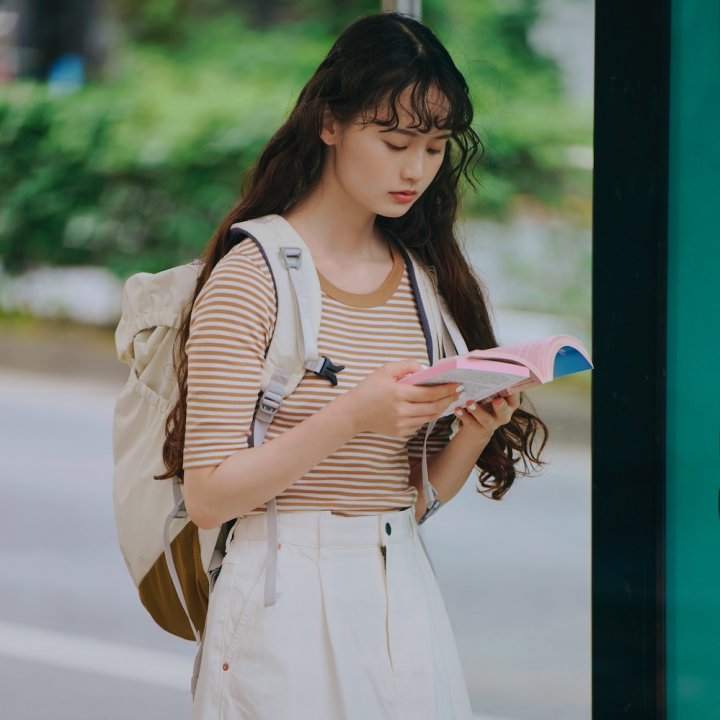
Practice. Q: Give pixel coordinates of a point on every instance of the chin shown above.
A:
(395, 211)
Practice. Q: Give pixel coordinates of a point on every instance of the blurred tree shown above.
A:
(170, 21)
(135, 173)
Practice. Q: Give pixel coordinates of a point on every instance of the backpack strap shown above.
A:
(450, 342)
(293, 347)
(443, 339)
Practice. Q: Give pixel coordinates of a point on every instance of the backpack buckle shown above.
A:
(270, 402)
(179, 512)
(293, 257)
(432, 508)
(328, 370)
(430, 511)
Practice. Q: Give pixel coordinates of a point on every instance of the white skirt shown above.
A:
(359, 631)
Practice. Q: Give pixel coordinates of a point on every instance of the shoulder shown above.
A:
(240, 285)
(245, 258)
(243, 270)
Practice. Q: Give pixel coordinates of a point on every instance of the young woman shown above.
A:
(369, 160)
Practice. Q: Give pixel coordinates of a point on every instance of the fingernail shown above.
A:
(459, 413)
(472, 406)
(501, 403)
(459, 388)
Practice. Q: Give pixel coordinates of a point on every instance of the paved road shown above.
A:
(75, 643)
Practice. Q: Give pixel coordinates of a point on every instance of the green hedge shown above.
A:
(136, 172)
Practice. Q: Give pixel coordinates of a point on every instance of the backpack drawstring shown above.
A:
(432, 501)
(271, 594)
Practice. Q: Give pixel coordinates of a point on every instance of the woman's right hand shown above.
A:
(381, 405)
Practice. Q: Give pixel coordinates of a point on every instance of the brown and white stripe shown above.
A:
(231, 326)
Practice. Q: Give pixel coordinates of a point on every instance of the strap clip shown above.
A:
(293, 257)
(328, 370)
(432, 508)
(179, 512)
(270, 402)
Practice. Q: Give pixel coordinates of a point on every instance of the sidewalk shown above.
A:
(60, 348)
(532, 554)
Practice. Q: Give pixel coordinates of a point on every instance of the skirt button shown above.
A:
(388, 529)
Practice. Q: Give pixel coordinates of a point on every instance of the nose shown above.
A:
(413, 166)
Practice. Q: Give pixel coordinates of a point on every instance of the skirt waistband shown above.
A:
(323, 528)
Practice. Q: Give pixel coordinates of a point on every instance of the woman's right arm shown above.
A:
(231, 325)
(251, 477)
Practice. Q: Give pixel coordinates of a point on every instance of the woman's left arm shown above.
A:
(449, 469)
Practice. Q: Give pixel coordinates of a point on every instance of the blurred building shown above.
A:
(55, 41)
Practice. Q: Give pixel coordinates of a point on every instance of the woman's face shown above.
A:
(384, 171)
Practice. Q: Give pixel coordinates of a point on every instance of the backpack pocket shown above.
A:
(153, 349)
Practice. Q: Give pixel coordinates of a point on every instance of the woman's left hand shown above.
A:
(485, 419)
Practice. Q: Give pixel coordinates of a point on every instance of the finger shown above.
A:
(485, 415)
(492, 414)
(430, 393)
(491, 406)
(401, 368)
(431, 410)
(503, 410)
(468, 417)
(482, 414)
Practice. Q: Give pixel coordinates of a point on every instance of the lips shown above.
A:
(404, 195)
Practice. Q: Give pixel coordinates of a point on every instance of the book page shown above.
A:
(538, 355)
(478, 385)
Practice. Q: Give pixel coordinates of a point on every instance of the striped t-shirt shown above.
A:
(231, 326)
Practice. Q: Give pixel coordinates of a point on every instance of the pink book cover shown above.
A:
(506, 369)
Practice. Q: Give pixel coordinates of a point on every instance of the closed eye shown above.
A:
(398, 148)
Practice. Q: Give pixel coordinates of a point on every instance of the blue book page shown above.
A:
(568, 361)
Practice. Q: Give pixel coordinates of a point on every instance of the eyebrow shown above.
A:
(415, 133)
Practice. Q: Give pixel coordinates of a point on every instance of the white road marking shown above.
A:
(101, 657)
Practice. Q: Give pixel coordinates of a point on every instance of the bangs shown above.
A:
(430, 105)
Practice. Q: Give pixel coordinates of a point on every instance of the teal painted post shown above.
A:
(693, 366)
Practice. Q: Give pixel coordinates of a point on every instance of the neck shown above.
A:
(333, 226)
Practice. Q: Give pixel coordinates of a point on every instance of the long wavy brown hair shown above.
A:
(372, 62)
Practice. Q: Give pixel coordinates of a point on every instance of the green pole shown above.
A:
(693, 359)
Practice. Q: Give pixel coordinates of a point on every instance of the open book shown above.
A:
(506, 369)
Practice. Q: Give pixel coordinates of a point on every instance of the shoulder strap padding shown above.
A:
(446, 337)
(286, 351)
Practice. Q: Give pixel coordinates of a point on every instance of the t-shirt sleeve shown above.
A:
(231, 325)
(439, 438)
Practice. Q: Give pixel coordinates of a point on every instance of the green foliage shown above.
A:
(521, 117)
(137, 172)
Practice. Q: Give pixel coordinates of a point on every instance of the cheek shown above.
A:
(434, 166)
(366, 162)
(431, 170)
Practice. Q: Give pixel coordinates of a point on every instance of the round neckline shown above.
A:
(372, 299)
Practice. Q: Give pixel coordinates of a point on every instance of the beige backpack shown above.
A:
(172, 562)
